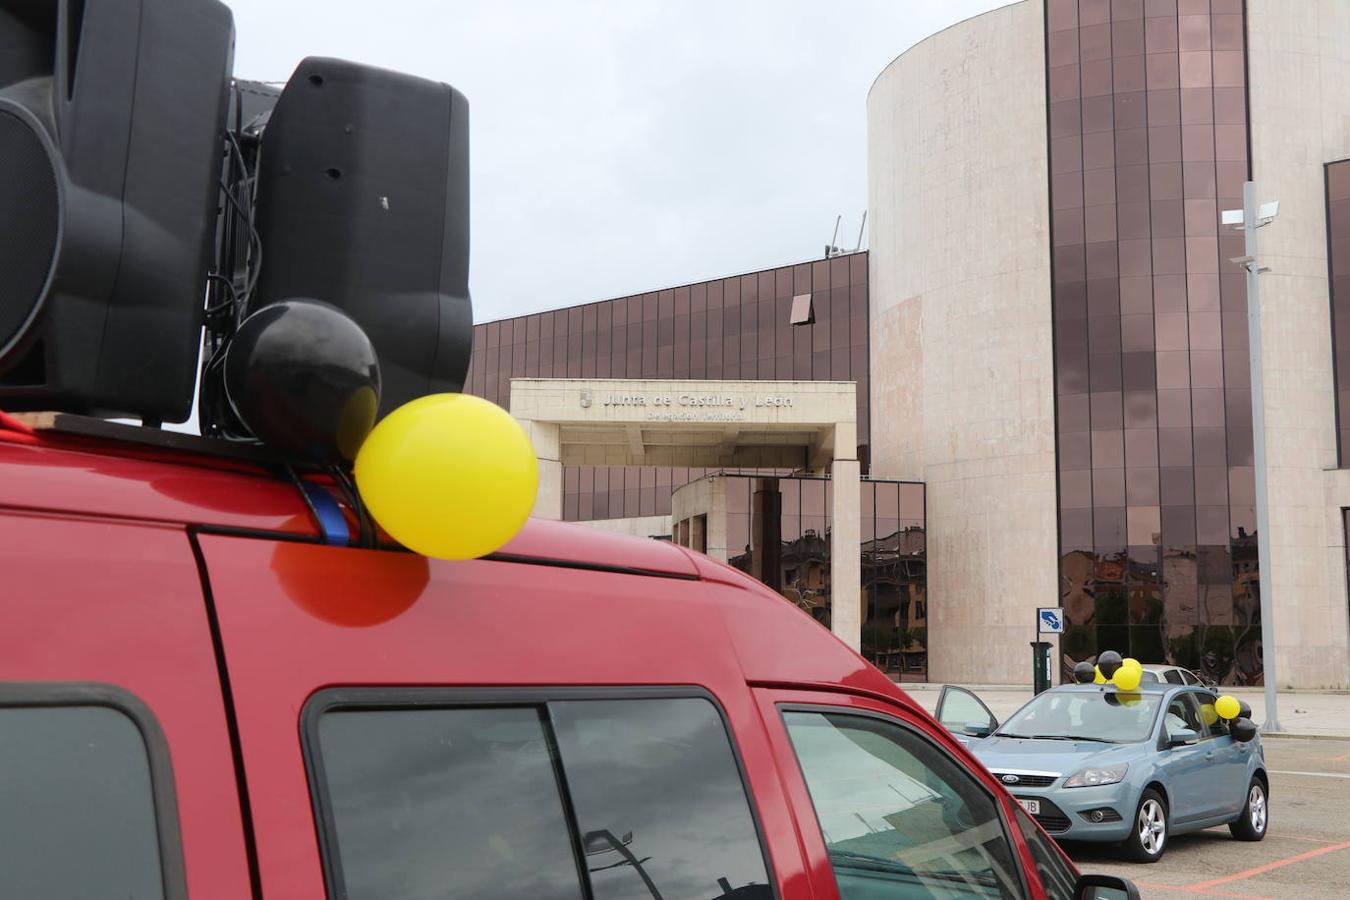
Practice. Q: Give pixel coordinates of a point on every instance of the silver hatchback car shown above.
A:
(1091, 763)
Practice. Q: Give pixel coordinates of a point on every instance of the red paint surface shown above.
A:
(101, 585)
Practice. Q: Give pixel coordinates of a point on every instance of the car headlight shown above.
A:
(1095, 776)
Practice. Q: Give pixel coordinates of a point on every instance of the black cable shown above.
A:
(369, 533)
(309, 503)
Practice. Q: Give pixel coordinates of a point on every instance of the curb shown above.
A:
(1295, 736)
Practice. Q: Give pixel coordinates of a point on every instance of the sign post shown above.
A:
(1049, 620)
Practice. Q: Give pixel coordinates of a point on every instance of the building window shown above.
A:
(802, 311)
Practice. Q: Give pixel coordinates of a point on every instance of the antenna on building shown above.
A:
(833, 249)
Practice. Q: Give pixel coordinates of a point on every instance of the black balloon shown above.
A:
(1244, 709)
(1108, 662)
(1242, 729)
(304, 378)
(1084, 672)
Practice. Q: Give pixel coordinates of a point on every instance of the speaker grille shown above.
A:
(28, 222)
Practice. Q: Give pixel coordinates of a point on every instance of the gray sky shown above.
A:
(624, 145)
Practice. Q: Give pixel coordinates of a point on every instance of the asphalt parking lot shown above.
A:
(1306, 853)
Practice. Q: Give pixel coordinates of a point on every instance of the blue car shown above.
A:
(1091, 763)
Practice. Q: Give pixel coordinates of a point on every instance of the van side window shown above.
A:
(1057, 876)
(78, 813)
(598, 793)
(659, 800)
(446, 803)
(899, 817)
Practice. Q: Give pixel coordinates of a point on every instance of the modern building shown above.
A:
(1050, 343)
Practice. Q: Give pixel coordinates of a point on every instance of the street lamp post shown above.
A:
(1252, 219)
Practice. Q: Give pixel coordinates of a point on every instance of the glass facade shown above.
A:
(1148, 143)
(1338, 255)
(784, 526)
(728, 328)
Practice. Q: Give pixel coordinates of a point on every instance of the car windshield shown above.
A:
(1106, 716)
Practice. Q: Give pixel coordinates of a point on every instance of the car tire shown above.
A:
(1150, 829)
(1255, 818)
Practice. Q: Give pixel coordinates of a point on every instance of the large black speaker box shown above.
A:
(363, 202)
(111, 131)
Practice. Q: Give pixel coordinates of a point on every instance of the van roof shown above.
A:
(776, 644)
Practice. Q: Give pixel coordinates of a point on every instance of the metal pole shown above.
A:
(1266, 573)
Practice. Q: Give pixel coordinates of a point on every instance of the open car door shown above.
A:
(964, 714)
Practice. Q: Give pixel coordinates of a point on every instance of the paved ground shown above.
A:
(1306, 853)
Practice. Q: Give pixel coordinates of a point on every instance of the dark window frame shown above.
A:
(391, 699)
(163, 792)
(922, 736)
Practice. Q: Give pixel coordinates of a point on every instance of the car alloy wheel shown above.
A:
(1148, 835)
(1152, 825)
(1251, 823)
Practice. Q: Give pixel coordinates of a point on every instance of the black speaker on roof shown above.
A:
(363, 202)
(111, 125)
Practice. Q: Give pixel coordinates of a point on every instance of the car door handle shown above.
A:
(1209, 754)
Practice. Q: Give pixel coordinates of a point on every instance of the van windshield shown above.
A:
(1107, 716)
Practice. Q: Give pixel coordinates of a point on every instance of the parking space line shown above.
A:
(1154, 886)
(1311, 774)
(1260, 870)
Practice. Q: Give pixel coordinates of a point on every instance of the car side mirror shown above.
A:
(1181, 736)
(977, 729)
(1105, 887)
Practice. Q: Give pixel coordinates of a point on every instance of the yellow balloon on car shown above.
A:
(449, 476)
(1131, 663)
(1228, 707)
(1209, 713)
(1126, 678)
(1099, 678)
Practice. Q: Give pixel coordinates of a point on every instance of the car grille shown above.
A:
(1026, 780)
(1051, 817)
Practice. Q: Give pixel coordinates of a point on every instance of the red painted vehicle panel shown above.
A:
(203, 590)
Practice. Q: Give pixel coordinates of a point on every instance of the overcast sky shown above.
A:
(624, 145)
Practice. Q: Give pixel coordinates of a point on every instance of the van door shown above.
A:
(398, 713)
(897, 809)
(115, 753)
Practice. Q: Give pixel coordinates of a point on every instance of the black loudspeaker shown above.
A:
(111, 131)
(363, 202)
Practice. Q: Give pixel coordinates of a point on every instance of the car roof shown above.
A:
(1144, 688)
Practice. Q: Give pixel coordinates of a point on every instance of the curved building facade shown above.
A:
(1060, 336)
(963, 369)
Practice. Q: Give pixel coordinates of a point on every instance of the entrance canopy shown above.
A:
(807, 426)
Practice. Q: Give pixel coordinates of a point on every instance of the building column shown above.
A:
(546, 438)
(845, 543)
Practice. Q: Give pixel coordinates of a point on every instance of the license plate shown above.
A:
(1031, 806)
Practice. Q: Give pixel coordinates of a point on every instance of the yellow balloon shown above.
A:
(1131, 663)
(449, 476)
(1099, 678)
(1228, 706)
(1126, 678)
(1129, 699)
(1210, 714)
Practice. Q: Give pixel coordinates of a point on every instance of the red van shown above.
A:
(201, 697)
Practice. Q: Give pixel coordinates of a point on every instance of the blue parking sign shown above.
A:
(1050, 620)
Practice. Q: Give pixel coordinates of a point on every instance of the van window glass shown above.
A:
(78, 808)
(899, 816)
(659, 800)
(1057, 876)
(446, 803)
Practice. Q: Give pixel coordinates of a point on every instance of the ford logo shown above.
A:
(1010, 779)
